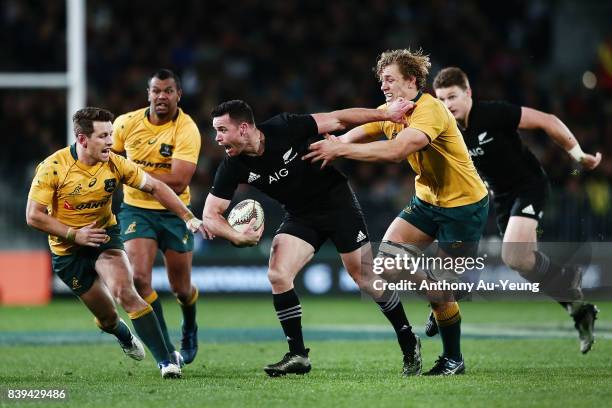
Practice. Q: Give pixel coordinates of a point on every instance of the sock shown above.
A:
(120, 330)
(572, 307)
(393, 310)
(554, 283)
(153, 300)
(189, 311)
(289, 313)
(146, 325)
(449, 324)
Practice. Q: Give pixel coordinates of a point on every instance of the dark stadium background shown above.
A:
(316, 56)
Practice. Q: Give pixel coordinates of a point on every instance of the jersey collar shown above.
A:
(417, 97)
(73, 151)
(148, 110)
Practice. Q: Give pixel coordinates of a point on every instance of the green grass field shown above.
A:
(517, 354)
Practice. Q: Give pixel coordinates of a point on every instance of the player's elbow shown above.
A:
(33, 219)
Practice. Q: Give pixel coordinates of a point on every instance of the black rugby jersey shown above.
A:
(499, 155)
(280, 172)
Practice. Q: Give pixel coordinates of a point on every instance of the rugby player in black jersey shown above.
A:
(520, 186)
(320, 205)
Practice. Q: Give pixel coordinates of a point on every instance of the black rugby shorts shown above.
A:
(338, 217)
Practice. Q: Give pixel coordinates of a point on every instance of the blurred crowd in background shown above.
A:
(307, 57)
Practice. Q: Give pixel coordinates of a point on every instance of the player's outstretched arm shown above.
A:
(215, 223)
(559, 133)
(347, 118)
(358, 135)
(37, 217)
(395, 150)
(172, 202)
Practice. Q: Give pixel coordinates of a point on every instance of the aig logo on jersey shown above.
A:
(478, 151)
(166, 150)
(110, 185)
(277, 175)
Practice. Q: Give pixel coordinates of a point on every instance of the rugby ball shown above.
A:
(243, 213)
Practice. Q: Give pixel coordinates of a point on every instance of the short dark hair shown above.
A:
(166, 74)
(451, 76)
(238, 110)
(83, 119)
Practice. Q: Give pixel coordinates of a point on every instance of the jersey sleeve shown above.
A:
(502, 115)
(188, 143)
(129, 173)
(119, 132)
(226, 181)
(431, 119)
(373, 128)
(45, 183)
(302, 126)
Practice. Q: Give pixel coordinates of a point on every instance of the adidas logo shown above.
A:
(481, 138)
(528, 210)
(252, 177)
(361, 236)
(287, 156)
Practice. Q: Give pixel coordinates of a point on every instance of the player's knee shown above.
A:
(125, 294)
(278, 277)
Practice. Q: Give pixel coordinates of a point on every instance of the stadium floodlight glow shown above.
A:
(73, 80)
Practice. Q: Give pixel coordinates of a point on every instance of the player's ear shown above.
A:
(82, 139)
(243, 128)
(412, 81)
(468, 91)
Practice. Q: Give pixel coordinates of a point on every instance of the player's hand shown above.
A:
(194, 225)
(589, 161)
(250, 236)
(324, 150)
(91, 236)
(396, 110)
(205, 231)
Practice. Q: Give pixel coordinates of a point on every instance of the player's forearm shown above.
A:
(347, 118)
(560, 133)
(46, 223)
(219, 227)
(357, 135)
(381, 151)
(164, 194)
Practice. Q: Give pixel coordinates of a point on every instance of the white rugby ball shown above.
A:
(243, 213)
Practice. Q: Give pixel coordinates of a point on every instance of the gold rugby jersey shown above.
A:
(77, 194)
(153, 147)
(446, 176)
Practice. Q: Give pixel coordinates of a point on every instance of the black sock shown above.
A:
(393, 310)
(557, 282)
(289, 313)
(159, 313)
